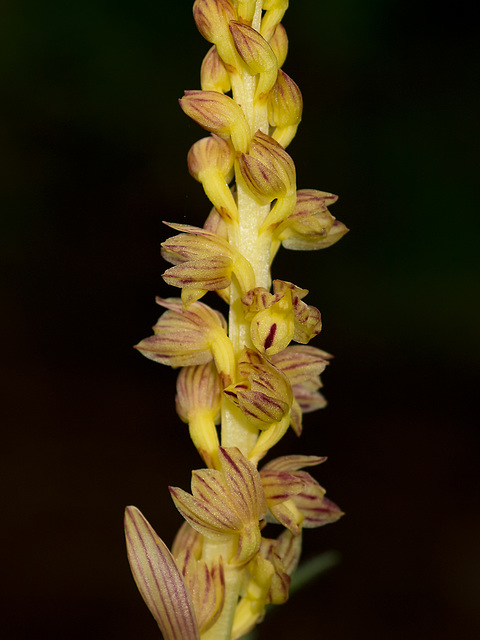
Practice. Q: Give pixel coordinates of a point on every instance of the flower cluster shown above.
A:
(243, 382)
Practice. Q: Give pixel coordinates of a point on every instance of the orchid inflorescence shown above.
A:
(245, 375)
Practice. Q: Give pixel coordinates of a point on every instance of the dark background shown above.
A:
(93, 158)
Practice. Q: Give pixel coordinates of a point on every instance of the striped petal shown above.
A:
(301, 363)
(293, 463)
(317, 509)
(280, 485)
(244, 483)
(159, 580)
(209, 511)
(206, 585)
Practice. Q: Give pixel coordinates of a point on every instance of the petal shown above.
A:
(244, 483)
(159, 580)
(206, 586)
(280, 485)
(301, 363)
(292, 463)
(209, 511)
(210, 273)
(317, 509)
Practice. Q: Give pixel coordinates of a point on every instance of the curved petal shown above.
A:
(159, 580)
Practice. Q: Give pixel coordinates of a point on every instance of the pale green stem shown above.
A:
(236, 431)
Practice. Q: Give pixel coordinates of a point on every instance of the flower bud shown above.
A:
(310, 225)
(282, 313)
(246, 10)
(257, 55)
(213, 75)
(204, 261)
(267, 169)
(210, 161)
(212, 17)
(263, 393)
(272, 319)
(226, 504)
(198, 403)
(198, 391)
(184, 337)
(274, 12)
(211, 154)
(279, 44)
(285, 106)
(218, 114)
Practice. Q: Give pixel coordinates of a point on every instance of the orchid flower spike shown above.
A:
(247, 373)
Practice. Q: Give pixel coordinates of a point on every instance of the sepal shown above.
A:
(204, 261)
(311, 226)
(267, 312)
(211, 154)
(258, 57)
(251, 608)
(185, 337)
(212, 18)
(309, 502)
(159, 579)
(274, 12)
(218, 114)
(226, 504)
(198, 402)
(213, 74)
(268, 170)
(285, 106)
(205, 581)
(263, 393)
(279, 44)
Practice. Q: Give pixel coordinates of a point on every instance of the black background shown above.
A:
(92, 158)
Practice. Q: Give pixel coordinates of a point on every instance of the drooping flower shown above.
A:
(204, 261)
(310, 225)
(226, 504)
(218, 114)
(294, 498)
(285, 106)
(185, 337)
(204, 581)
(268, 580)
(274, 12)
(212, 18)
(210, 161)
(198, 402)
(213, 75)
(263, 392)
(269, 173)
(257, 55)
(279, 317)
(303, 365)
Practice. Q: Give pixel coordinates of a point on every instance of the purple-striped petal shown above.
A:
(159, 580)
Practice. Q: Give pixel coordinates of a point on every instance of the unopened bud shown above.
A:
(219, 114)
(267, 169)
(279, 44)
(274, 12)
(285, 102)
(212, 17)
(211, 154)
(213, 75)
(257, 55)
(246, 10)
